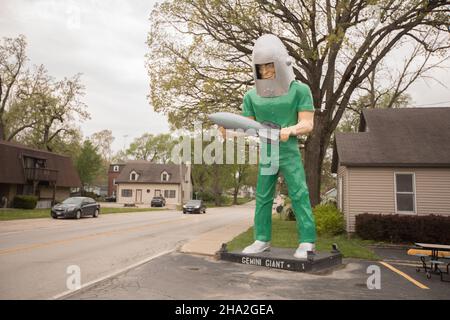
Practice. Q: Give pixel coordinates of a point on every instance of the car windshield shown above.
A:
(72, 201)
(193, 203)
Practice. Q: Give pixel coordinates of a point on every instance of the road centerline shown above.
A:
(85, 237)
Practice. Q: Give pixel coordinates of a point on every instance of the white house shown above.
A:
(140, 181)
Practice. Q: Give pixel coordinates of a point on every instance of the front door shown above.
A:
(138, 196)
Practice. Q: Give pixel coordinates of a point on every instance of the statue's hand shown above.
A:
(223, 132)
(285, 133)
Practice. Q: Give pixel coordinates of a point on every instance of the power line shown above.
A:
(431, 104)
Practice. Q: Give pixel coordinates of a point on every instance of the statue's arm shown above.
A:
(305, 124)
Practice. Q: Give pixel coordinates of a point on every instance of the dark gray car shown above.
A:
(194, 206)
(76, 207)
(158, 202)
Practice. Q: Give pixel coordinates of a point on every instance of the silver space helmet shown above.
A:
(269, 49)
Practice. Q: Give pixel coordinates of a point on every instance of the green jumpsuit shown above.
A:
(282, 110)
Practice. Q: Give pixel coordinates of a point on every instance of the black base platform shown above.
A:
(282, 258)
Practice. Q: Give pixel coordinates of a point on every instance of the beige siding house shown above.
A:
(398, 164)
(140, 181)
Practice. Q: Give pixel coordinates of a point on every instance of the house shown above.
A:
(113, 172)
(140, 181)
(29, 171)
(399, 163)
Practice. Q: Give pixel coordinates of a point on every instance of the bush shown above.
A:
(287, 213)
(90, 194)
(403, 229)
(25, 202)
(285, 210)
(329, 220)
(205, 196)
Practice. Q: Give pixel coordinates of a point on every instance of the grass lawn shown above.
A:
(285, 236)
(15, 214)
(228, 202)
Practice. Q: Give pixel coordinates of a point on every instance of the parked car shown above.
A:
(76, 207)
(194, 206)
(110, 199)
(158, 202)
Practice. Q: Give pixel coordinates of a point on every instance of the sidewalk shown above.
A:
(210, 242)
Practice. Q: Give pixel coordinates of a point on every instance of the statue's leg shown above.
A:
(292, 169)
(265, 191)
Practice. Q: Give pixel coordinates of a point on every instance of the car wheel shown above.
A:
(78, 215)
(204, 211)
(96, 213)
(54, 216)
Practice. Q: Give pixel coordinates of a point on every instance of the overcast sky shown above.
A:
(105, 41)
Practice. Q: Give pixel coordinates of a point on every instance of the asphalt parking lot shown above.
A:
(184, 276)
(407, 264)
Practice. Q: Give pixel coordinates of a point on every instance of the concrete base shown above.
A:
(282, 258)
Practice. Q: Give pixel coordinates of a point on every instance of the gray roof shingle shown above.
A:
(11, 167)
(418, 137)
(150, 172)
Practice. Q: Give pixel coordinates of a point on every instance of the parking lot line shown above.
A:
(404, 275)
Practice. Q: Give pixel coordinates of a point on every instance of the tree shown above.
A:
(120, 156)
(89, 163)
(67, 143)
(350, 121)
(35, 108)
(49, 106)
(199, 59)
(102, 140)
(12, 61)
(156, 148)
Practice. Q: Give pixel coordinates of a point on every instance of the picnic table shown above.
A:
(434, 261)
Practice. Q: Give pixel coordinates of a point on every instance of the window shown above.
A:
(127, 193)
(405, 192)
(116, 168)
(134, 176)
(114, 181)
(169, 193)
(164, 176)
(148, 190)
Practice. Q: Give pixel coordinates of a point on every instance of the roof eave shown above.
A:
(422, 165)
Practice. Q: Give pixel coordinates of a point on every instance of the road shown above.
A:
(35, 254)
